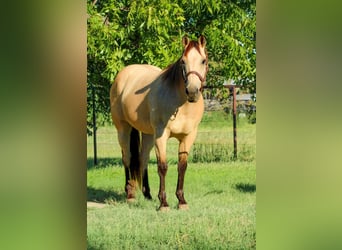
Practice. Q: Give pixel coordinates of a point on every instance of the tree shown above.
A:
(125, 32)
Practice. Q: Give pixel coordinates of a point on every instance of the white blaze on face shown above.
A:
(195, 61)
(196, 69)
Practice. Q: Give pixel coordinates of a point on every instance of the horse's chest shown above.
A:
(175, 118)
(181, 125)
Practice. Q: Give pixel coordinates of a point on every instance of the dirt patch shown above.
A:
(95, 204)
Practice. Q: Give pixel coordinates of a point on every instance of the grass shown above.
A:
(221, 215)
(221, 197)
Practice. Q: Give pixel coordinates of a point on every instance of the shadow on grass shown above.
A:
(103, 162)
(98, 195)
(214, 192)
(245, 188)
(117, 162)
(90, 247)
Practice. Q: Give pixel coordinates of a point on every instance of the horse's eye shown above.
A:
(204, 61)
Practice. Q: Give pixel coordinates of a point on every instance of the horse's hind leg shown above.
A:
(147, 145)
(124, 131)
(160, 147)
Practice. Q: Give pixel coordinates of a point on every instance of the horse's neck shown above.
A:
(178, 82)
(167, 96)
(176, 92)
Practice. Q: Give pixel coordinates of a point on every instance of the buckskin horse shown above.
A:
(150, 105)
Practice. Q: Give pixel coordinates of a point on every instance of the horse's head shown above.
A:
(194, 66)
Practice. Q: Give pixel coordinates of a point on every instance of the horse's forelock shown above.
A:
(194, 44)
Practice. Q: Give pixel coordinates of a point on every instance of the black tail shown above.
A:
(136, 173)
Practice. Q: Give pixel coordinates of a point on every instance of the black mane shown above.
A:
(173, 72)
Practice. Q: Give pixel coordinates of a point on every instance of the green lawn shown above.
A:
(221, 196)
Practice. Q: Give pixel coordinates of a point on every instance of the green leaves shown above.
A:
(127, 32)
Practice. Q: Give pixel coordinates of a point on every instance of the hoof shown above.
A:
(130, 200)
(164, 209)
(148, 196)
(183, 207)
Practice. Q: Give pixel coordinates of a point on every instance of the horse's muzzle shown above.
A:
(192, 94)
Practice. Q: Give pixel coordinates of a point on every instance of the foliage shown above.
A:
(125, 32)
(219, 152)
(251, 113)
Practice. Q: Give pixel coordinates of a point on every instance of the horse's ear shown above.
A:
(185, 41)
(202, 41)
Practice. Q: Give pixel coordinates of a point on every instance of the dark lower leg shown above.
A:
(124, 141)
(182, 165)
(146, 186)
(147, 145)
(162, 170)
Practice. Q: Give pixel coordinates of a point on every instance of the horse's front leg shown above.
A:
(183, 151)
(160, 147)
(182, 165)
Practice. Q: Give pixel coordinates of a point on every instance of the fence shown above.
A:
(215, 139)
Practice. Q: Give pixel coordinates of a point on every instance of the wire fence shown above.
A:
(214, 141)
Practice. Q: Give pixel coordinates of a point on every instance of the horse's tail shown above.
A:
(136, 173)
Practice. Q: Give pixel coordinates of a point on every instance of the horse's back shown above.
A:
(133, 76)
(128, 95)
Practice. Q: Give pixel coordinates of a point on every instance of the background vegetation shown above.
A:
(123, 32)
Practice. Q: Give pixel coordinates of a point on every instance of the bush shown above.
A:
(251, 114)
(204, 152)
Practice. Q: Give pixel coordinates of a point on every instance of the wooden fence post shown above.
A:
(232, 88)
(94, 123)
